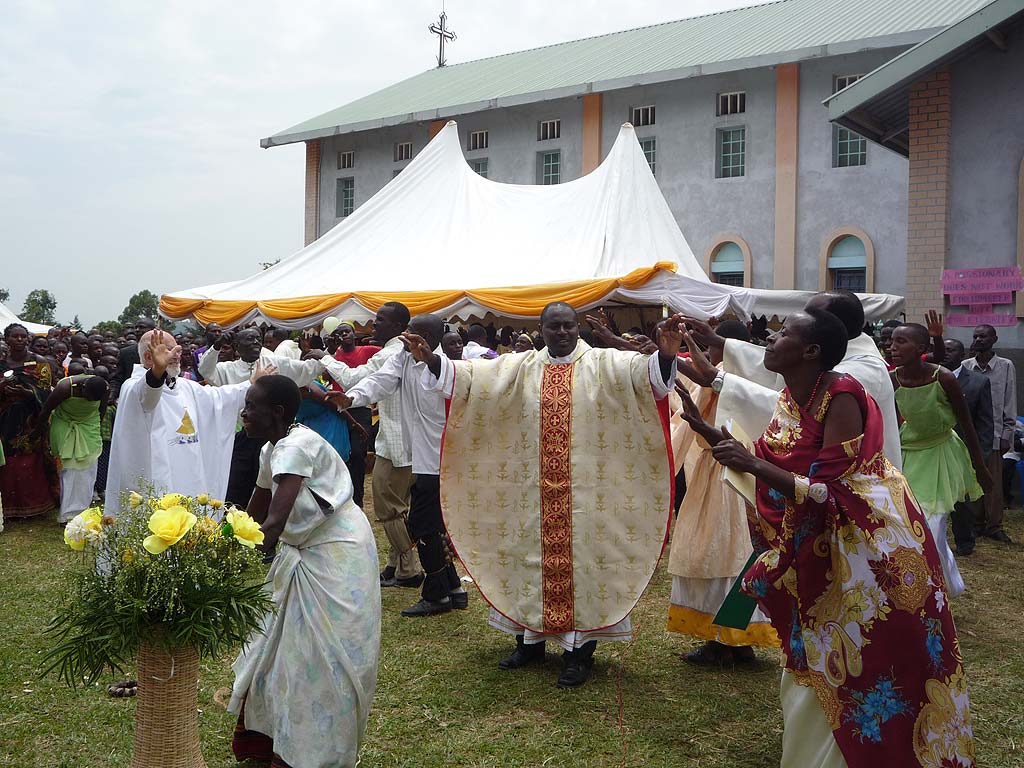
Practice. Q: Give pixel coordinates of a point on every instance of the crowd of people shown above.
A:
(562, 450)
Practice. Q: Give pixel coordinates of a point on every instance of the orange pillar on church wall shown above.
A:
(592, 115)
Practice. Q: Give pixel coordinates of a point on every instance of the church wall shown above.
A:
(872, 197)
(685, 128)
(986, 163)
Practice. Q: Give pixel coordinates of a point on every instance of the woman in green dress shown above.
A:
(941, 470)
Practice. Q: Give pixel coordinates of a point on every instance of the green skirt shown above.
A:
(941, 474)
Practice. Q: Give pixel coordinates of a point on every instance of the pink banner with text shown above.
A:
(979, 290)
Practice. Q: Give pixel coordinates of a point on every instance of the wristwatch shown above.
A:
(718, 382)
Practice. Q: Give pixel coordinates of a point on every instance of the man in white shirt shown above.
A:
(392, 466)
(423, 418)
(476, 346)
(245, 456)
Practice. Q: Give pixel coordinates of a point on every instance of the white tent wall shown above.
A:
(7, 317)
(439, 221)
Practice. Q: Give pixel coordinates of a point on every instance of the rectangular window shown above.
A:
(479, 166)
(549, 167)
(345, 202)
(849, 149)
(842, 81)
(732, 152)
(849, 280)
(733, 103)
(650, 148)
(403, 151)
(346, 160)
(641, 116)
(549, 129)
(729, 278)
(477, 140)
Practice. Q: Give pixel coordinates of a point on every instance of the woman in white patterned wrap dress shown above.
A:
(304, 684)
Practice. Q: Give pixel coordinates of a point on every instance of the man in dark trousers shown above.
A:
(978, 392)
(128, 357)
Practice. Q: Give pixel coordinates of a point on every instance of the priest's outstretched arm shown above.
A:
(377, 386)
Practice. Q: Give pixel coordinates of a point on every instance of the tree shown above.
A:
(5, 295)
(142, 304)
(109, 325)
(75, 322)
(39, 307)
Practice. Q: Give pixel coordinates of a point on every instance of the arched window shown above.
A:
(728, 261)
(847, 261)
(847, 265)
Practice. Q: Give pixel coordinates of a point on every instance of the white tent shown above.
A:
(7, 317)
(440, 238)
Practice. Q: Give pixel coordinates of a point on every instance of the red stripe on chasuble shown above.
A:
(556, 498)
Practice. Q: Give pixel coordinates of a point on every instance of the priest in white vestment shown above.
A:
(748, 392)
(556, 484)
(170, 432)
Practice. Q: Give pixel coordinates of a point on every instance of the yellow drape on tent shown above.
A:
(526, 300)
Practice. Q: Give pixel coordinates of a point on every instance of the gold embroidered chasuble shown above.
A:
(556, 484)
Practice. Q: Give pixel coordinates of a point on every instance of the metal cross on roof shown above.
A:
(443, 33)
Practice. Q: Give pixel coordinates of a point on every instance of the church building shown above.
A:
(729, 110)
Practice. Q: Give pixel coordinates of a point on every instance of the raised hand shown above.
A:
(670, 336)
(704, 332)
(314, 354)
(699, 369)
(417, 346)
(691, 415)
(600, 327)
(934, 322)
(163, 352)
(262, 370)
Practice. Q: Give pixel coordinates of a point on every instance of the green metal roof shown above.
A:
(877, 105)
(757, 36)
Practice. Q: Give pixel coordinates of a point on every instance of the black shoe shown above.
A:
(428, 608)
(460, 600)
(965, 550)
(1000, 535)
(413, 582)
(387, 575)
(711, 654)
(523, 655)
(575, 673)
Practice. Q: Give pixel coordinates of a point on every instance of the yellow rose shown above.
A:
(127, 557)
(169, 500)
(216, 503)
(134, 500)
(246, 530)
(203, 499)
(168, 527)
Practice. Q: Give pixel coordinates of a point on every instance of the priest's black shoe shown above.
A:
(523, 655)
(576, 665)
(428, 608)
(460, 600)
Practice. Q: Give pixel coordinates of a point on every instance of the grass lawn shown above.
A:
(442, 701)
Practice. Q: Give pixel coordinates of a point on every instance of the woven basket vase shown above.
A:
(166, 718)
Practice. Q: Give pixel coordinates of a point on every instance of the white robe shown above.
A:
(750, 391)
(155, 444)
(302, 372)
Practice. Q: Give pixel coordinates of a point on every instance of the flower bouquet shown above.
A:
(168, 583)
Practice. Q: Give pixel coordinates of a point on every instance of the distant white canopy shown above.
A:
(7, 317)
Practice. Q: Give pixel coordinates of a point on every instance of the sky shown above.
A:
(129, 132)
